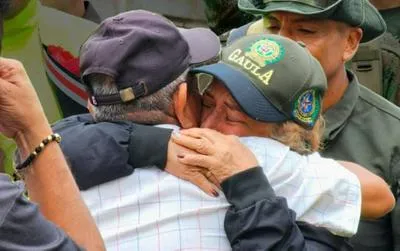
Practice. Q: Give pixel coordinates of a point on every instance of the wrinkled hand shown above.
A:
(21, 114)
(196, 175)
(20, 108)
(222, 155)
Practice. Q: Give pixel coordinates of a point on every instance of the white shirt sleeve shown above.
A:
(319, 190)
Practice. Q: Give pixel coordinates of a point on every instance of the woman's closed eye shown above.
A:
(207, 104)
(306, 31)
(234, 117)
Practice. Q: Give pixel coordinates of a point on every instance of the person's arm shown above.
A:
(105, 151)
(48, 180)
(259, 220)
(50, 184)
(21, 216)
(156, 149)
(377, 198)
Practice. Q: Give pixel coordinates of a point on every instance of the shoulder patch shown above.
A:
(307, 107)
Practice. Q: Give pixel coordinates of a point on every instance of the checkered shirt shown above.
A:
(152, 210)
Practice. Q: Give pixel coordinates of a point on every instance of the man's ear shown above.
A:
(352, 42)
(186, 106)
(180, 102)
(89, 106)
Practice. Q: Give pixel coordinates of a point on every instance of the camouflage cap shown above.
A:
(273, 79)
(357, 13)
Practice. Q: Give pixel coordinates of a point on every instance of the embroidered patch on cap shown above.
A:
(307, 107)
(265, 52)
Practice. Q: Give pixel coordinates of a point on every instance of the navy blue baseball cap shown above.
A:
(272, 78)
(143, 52)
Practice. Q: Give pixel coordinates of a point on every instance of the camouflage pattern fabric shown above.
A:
(224, 15)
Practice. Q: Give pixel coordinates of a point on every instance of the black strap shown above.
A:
(139, 90)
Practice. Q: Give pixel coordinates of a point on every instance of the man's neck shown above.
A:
(337, 86)
(152, 118)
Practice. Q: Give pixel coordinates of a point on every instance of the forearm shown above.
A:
(377, 199)
(101, 152)
(51, 185)
(259, 220)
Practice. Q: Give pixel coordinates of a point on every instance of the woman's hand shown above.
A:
(196, 175)
(222, 155)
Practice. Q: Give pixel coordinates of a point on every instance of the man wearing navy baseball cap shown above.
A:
(133, 64)
(131, 47)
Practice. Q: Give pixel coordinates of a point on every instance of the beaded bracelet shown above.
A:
(53, 137)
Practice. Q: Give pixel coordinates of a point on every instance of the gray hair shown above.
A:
(152, 109)
(298, 138)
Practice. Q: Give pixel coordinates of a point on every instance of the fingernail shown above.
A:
(215, 193)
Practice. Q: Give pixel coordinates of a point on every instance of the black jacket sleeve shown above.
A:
(259, 220)
(149, 146)
(105, 151)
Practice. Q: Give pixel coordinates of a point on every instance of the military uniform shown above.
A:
(392, 19)
(391, 73)
(364, 128)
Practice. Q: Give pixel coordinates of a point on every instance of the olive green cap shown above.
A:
(357, 13)
(272, 78)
